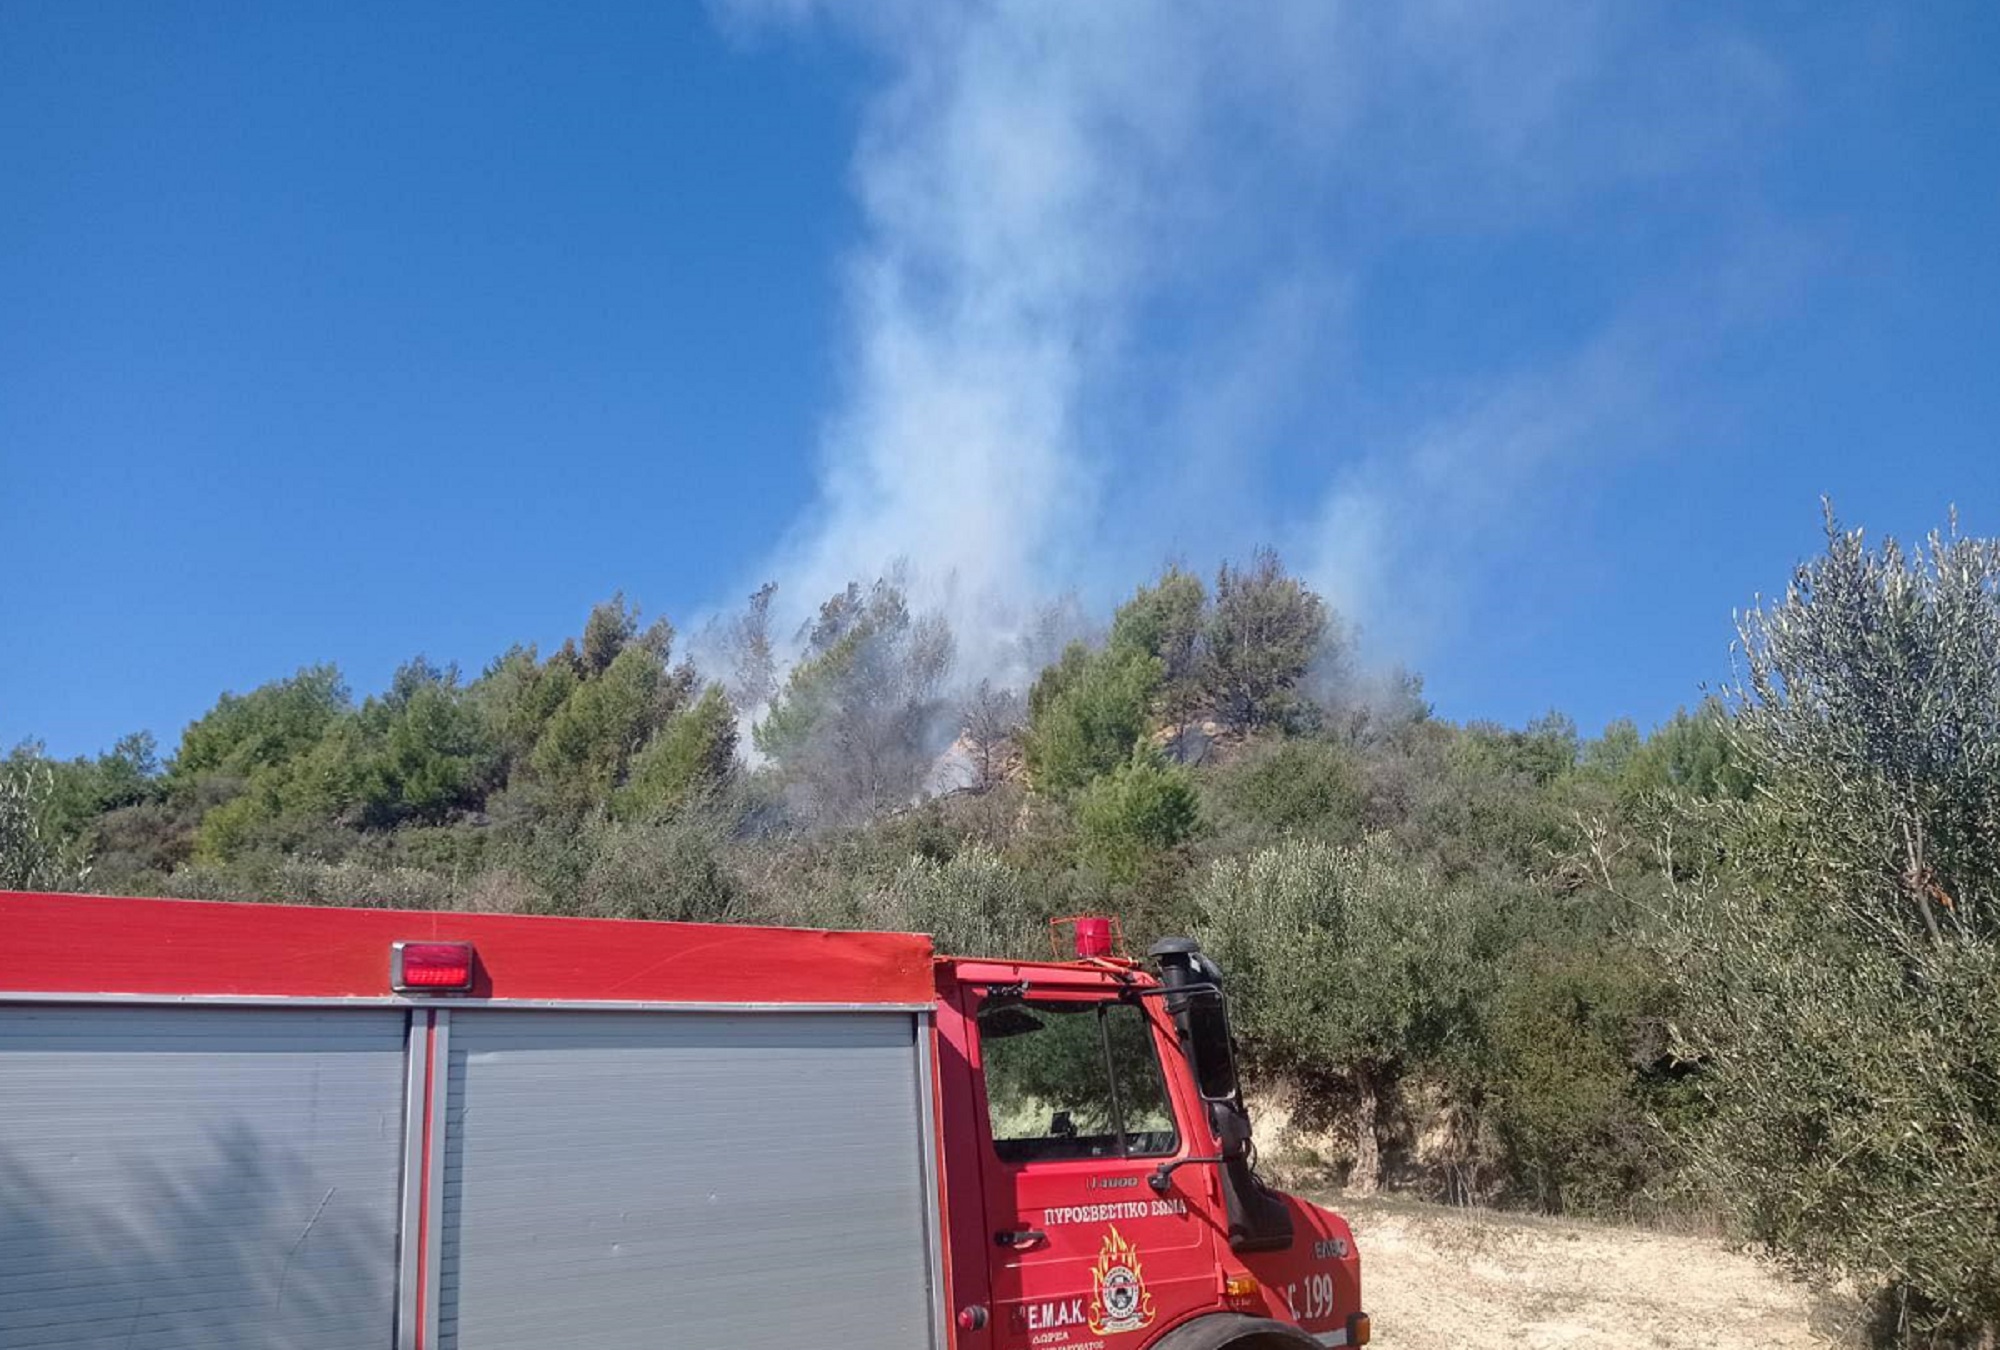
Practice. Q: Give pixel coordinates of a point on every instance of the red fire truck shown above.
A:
(228, 1126)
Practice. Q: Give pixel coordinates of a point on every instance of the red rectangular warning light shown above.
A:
(430, 967)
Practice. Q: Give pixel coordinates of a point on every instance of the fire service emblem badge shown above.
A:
(1120, 1301)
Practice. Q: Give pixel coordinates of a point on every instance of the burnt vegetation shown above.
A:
(1745, 962)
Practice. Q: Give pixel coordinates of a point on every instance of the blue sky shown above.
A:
(1532, 334)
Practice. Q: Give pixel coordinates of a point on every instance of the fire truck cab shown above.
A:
(296, 1128)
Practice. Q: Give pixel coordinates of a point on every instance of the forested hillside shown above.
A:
(1744, 962)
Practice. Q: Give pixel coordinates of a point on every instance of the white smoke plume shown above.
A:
(1111, 253)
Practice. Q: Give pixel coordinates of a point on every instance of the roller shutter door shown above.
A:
(207, 1178)
(683, 1181)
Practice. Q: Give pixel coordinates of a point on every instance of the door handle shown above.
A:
(1026, 1237)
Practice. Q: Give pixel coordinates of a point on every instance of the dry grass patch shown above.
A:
(1459, 1279)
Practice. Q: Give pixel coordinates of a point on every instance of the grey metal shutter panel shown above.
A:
(207, 1178)
(683, 1181)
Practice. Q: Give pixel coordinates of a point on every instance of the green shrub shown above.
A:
(1128, 817)
(1086, 713)
(1580, 1072)
(672, 868)
(1307, 788)
(694, 753)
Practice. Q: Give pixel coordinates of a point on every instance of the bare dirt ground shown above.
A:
(1454, 1279)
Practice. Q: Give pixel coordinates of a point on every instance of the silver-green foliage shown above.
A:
(33, 855)
(1342, 958)
(312, 881)
(1844, 977)
(671, 868)
(1350, 964)
(973, 903)
(1872, 704)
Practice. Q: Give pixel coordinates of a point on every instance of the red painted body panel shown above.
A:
(1094, 1211)
(72, 944)
(1316, 1282)
(967, 1236)
(1040, 1298)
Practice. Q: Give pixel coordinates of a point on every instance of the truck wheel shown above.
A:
(1234, 1331)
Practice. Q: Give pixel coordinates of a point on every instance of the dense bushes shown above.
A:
(1580, 1074)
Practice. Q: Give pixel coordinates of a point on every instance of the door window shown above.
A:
(1073, 1080)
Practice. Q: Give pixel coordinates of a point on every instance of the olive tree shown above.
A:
(1844, 975)
(1348, 962)
(972, 903)
(33, 855)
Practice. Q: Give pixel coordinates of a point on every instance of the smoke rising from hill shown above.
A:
(1080, 332)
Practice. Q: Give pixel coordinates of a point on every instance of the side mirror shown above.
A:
(1194, 998)
(1211, 1051)
(1259, 1219)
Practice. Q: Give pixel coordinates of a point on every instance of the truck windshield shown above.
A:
(1073, 1080)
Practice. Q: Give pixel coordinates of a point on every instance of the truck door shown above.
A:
(1077, 1116)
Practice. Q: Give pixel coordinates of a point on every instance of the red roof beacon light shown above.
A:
(1093, 938)
(430, 967)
